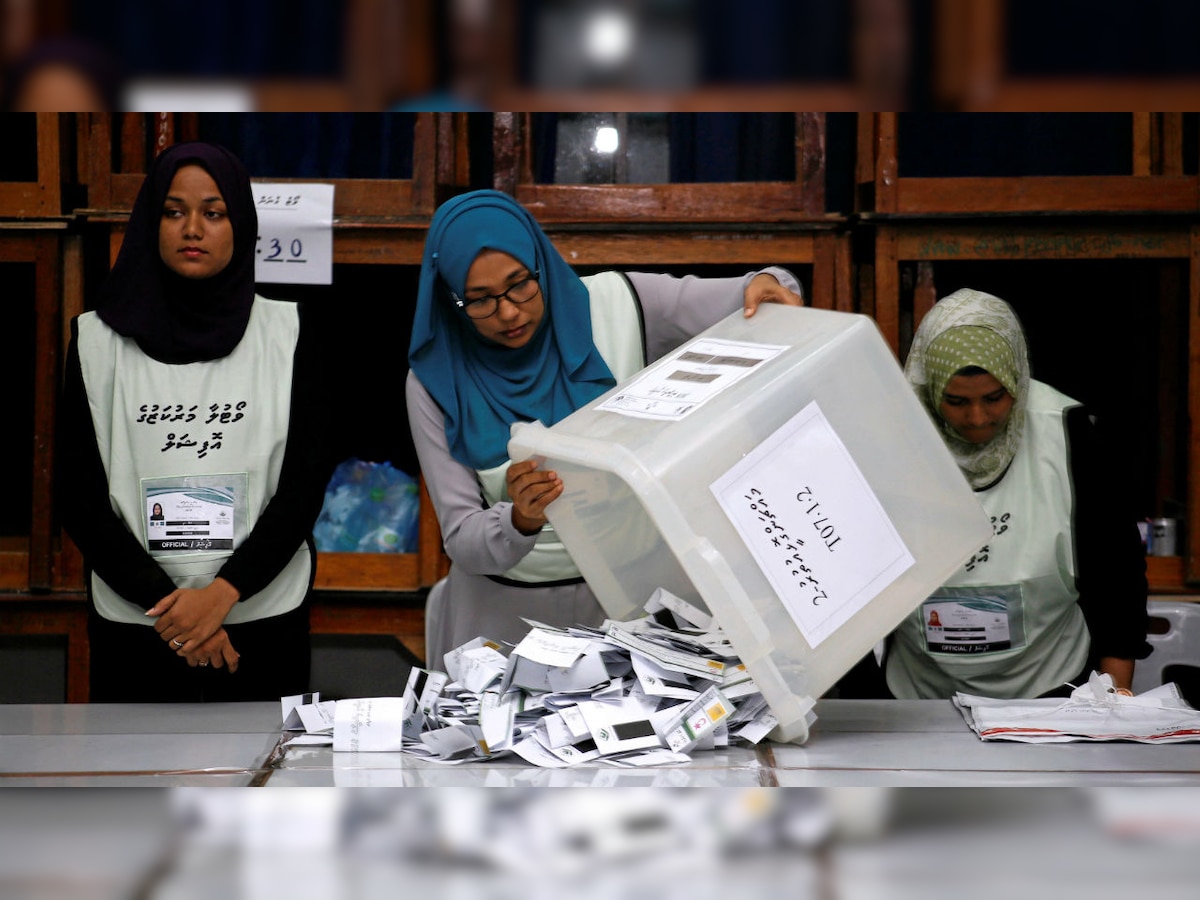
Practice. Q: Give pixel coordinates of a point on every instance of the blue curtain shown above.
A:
(316, 145)
(241, 38)
(718, 147)
(1009, 144)
(1103, 37)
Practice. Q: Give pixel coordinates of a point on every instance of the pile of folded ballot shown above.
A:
(649, 691)
(1093, 712)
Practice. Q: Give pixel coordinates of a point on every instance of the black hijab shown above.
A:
(172, 318)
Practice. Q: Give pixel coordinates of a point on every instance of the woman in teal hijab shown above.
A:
(505, 331)
(482, 385)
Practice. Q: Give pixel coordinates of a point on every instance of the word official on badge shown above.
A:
(813, 524)
(295, 233)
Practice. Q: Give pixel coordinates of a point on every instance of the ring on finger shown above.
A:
(203, 663)
(176, 643)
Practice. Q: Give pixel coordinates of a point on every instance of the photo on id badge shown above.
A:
(966, 620)
(191, 514)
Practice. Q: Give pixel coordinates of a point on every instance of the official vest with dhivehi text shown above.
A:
(617, 334)
(213, 430)
(1007, 624)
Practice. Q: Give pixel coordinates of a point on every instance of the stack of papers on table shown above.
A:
(645, 692)
(1093, 712)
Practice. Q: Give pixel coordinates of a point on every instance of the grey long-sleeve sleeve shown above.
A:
(678, 309)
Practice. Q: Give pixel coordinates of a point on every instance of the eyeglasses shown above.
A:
(482, 307)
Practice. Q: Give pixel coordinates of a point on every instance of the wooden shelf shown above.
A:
(59, 614)
(42, 197)
(367, 572)
(1165, 574)
(401, 617)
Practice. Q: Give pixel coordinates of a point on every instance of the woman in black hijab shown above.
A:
(188, 392)
(176, 317)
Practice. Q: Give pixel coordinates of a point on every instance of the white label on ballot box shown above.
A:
(813, 524)
(689, 378)
(295, 233)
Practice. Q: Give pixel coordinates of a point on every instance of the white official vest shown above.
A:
(1007, 624)
(617, 334)
(200, 431)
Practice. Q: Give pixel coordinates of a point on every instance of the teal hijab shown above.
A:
(481, 386)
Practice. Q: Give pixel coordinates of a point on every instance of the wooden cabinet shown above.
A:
(40, 265)
(39, 256)
(37, 560)
(38, 240)
(34, 176)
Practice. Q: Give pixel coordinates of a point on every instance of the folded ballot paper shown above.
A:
(1093, 712)
(645, 692)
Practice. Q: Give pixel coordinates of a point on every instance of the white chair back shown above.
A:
(1178, 646)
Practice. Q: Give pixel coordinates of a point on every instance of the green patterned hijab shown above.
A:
(971, 328)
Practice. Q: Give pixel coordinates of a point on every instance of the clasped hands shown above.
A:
(191, 623)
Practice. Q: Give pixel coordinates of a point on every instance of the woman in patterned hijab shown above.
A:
(1059, 591)
(970, 367)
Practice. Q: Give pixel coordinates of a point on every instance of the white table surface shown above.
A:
(864, 743)
(901, 743)
(853, 743)
(122, 745)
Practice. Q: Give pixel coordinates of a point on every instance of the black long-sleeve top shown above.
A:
(1110, 561)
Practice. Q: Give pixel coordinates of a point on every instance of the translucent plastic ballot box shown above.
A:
(780, 473)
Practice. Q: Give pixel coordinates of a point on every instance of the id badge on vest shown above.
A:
(968, 619)
(194, 513)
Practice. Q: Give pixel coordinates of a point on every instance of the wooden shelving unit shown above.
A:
(853, 260)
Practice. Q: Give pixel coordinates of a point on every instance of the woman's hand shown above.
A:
(217, 651)
(531, 490)
(765, 288)
(1121, 671)
(187, 617)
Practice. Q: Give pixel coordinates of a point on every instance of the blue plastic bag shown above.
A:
(369, 508)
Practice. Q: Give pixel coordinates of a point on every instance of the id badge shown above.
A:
(194, 513)
(962, 621)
